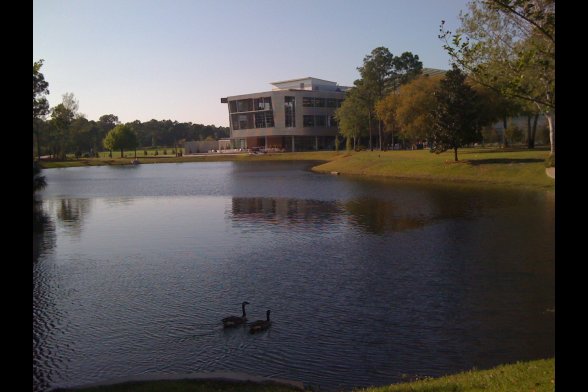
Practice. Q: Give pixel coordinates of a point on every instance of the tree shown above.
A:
(495, 107)
(386, 111)
(455, 118)
(408, 109)
(352, 117)
(120, 138)
(62, 116)
(382, 72)
(509, 45)
(40, 103)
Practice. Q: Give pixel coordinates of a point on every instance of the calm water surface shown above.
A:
(369, 282)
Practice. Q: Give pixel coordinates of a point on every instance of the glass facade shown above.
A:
(290, 111)
(312, 102)
(319, 120)
(251, 113)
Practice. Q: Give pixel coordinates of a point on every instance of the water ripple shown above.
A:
(368, 283)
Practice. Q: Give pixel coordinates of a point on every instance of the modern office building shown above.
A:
(296, 115)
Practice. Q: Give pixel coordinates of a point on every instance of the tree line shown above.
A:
(62, 130)
(503, 65)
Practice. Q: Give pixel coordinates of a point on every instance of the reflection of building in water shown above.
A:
(281, 209)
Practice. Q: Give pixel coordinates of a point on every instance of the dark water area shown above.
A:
(369, 282)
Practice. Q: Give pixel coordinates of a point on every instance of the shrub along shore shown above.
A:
(519, 167)
(538, 376)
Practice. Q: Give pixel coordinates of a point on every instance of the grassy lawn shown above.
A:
(532, 376)
(517, 167)
(489, 165)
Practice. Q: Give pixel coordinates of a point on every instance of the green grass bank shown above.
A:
(532, 376)
(498, 166)
(485, 165)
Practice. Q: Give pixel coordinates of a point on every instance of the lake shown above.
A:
(369, 282)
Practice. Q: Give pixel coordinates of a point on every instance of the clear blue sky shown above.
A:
(175, 59)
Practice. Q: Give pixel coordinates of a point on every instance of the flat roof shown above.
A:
(306, 78)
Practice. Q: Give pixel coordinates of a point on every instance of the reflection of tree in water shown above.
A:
(378, 216)
(70, 213)
(282, 209)
(43, 240)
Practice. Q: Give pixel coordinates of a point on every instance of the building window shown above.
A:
(308, 121)
(232, 106)
(331, 102)
(263, 103)
(245, 105)
(331, 121)
(290, 111)
(259, 120)
(320, 121)
(243, 121)
(235, 121)
(269, 119)
(307, 102)
(319, 102)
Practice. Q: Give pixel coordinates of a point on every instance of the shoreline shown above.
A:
(536, 374)
(218, 376)
(513, 167)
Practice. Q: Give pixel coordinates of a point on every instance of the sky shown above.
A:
(175, 59)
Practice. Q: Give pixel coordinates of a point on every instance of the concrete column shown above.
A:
(316, 143)
(265, 142)
(293, 149)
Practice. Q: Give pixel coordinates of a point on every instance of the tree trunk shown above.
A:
(504, 123)
(529, 130)
(380, 133)
(392, 132)
(455, 153)
(36, 131)
(551, 124)
(135, 153)
(122, 153)
(535, 127)
(370, 129)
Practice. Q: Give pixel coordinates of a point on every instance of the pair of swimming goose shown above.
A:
(256, 326)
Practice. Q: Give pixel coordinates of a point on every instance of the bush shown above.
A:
(164, 152)
(550, 161)
(144, 152)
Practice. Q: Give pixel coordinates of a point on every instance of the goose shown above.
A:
(233, 321)
(260, 325)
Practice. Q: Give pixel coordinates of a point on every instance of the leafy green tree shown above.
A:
(382, 72)
(495, 107)
(408, 109)
(455, 118)
(40, 103)
(120, 138)
(40, 89)
(352, 117)
(509, 45)
(62, 117)
(84, 135)
(104, 125)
